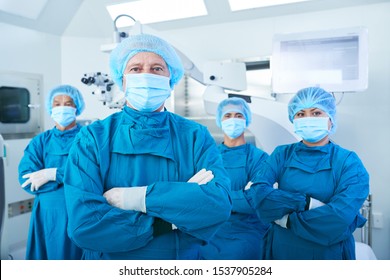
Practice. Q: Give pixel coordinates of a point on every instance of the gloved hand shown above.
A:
(282, 221)
(314, 203)
(202, 177)
(132, 198)
(39, 178)
(248, 186)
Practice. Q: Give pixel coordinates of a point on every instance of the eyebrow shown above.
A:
(311, 110)
(132, 64)
(159, 64)
(60, 101)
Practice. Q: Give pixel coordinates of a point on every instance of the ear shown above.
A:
(330, 124)
(124, 83)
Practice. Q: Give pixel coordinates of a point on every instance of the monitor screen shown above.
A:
(14, 105)
(336, 60)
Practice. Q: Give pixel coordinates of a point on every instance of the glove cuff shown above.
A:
(284, 221)
(135, 199)
(52, 174)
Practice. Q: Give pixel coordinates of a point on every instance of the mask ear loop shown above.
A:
(331, 124)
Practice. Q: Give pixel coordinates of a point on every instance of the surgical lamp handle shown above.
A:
(117, 35)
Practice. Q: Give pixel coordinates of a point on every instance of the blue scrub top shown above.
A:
(162, 151)
(241, 237)
(328, 173)
(47, 237)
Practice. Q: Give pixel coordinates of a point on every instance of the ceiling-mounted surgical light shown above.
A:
(119, 35)
(137, 28)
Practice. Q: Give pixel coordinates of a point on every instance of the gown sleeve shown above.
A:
(93, 223)
(32, 161)
(195, 209)
(269, 203)
(254, 161)
(339, 217)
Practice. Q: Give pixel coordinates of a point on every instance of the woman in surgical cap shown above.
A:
(145, 183)
(41, 173)
(321, 187)
(241, 237)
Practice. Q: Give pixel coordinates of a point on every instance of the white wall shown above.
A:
(27, 51)
(81, 56)
(362, 116)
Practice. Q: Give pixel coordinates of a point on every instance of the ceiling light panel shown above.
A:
(151, 11)
(238, 5)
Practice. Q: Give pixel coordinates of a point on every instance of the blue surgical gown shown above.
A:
(162, 151)
(47, 237)
(241, 237)
(328, 173)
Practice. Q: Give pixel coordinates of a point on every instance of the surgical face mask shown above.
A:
(311, 129)
(63, 115)
(233, 127)
(147, 92)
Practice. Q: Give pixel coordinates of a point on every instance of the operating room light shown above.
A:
(238, 5)
(151, 11)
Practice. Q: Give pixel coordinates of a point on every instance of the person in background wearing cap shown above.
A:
(145, 183)
(241, 237)
(41, 173)
(321, 187)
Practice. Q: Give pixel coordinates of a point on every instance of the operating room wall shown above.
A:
(27, 51)
(80, 57)
(362, 116)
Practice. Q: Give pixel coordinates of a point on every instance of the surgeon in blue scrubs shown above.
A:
(145, 183)
(321, 187)
(41, 173)
(241, 237)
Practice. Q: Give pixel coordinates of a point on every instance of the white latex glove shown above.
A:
(202, 177)
(39, 178)
(132, 198)
(314, 203)
(282, 221)
(248, 186)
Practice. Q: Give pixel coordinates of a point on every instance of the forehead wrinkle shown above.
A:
(62, 97)
(147, 58)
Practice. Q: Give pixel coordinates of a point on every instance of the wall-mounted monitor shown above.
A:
(336, 60)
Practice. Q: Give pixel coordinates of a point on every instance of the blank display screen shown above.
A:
(336, 60)
(14, 105)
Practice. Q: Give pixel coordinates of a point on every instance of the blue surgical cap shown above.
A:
(313, 97)
(70, 91)
(134, 44)
(233, 104)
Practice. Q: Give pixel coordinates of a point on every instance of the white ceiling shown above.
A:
(23, 8)
(89, 18)
(53, 18)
